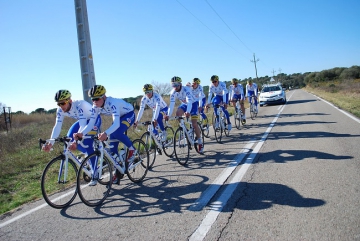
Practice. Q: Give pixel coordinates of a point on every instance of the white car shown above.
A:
(272, 94)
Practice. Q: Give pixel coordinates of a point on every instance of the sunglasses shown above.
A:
(62, 103)
(148, 92)
(96, 99)
(214, 81)
(174, 85)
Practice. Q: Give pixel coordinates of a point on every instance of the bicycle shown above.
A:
(93, 194)
(205, 130)
(60, 175)
(155, 143)
(184, 141)
(238, 116)
(220, 124)
(253, 112)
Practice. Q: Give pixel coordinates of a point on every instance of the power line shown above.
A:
(229, 27)
(209, 28)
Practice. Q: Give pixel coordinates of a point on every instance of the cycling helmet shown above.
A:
(62, 95)
(214, 78)
(176, 79)
(188, 84)
(97, 91)
(196, 81)
(234, 81)
(148, 87)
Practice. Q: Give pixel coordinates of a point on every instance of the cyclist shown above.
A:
(123, 117)
(237, 94)
(189, 106)
(252, 90)
(218, 88)
(157, 104)
(77, 109)
(198, 92)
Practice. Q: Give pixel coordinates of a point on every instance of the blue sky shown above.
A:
(135, 42)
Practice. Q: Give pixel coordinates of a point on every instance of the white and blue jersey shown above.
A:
(186, 98)
(220, 91)
(236, 92)
(251, 90)
(156, 103)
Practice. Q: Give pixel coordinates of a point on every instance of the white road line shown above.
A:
(214, 187)
(342, 111)
(217, 206)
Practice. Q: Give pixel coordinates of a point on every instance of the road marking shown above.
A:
(215, 186)
(217, 206)
(344, 112)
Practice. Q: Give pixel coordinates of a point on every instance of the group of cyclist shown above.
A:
(192, 98)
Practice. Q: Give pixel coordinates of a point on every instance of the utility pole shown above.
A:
(254, 61)
(85, 53)
(279, 74)
(273, 72)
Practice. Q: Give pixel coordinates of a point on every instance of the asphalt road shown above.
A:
(291, 174)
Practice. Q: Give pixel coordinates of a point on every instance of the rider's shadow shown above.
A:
(257, 196)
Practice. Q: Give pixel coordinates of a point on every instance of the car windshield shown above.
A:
(271, 88)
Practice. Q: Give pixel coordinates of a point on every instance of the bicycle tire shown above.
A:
(237, 120)
(181, 147)
(204, 130)
(196, 145)
(138, 169)
(252, 111)
(218, 131)
(53, 190)
(226, 130)
(152, 147)
(95, 195)
(168, 146)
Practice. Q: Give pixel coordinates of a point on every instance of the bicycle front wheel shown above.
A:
(252, 111)
(93, 188)
(226, 130)
(217, 128)
(168, 145)
(138, 169)
(58, 182)
(237, 119)
(182, 148)
(151, 146)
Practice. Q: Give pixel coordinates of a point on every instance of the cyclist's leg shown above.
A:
(204, 117)
(125, 122)
(216, 101)
(225, 110)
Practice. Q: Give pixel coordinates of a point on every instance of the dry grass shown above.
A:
(345, 95)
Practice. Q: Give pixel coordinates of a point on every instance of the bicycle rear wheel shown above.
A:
(94, 195)
(182, 148)
(204, 129)
(217, 131)
(168, 146)
(138, 169)
(58, 189)
(152, 147)
(226, 130)
(196, 144)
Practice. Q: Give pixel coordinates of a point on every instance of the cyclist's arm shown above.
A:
(141, 110)
(57, 127)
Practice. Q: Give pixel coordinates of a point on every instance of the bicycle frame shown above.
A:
(186, 130)
(67, 153)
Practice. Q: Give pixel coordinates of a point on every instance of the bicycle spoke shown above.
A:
(95, 192)
(58, 183)
(182, 149)
(137, 171)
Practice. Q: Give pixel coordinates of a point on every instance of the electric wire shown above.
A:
(210, 29)
(228, 26)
